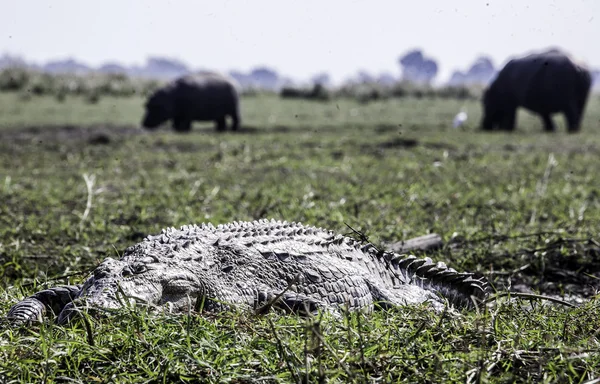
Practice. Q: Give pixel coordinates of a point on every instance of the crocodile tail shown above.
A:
(460, 288)
(34, 307)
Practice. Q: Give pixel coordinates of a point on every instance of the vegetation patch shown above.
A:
(80, 182)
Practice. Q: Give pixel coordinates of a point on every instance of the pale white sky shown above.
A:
(298, 38)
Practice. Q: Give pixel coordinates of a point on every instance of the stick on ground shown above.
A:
(421, 243)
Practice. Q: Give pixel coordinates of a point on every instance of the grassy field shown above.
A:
(80, 182)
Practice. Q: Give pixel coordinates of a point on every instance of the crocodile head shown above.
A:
(147, 280)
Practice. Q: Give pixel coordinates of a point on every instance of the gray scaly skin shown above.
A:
(249, 264)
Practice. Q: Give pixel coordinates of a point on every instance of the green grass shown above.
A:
(393, 169)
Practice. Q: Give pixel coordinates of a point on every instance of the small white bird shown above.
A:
(460, 118)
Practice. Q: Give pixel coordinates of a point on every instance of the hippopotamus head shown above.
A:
(159, 108)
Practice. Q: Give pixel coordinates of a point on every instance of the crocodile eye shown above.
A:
(134, 269)
(139, 268)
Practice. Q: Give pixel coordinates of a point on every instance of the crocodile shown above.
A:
(256, 265)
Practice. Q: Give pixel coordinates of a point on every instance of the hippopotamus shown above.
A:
(544, 83)
(202, 96)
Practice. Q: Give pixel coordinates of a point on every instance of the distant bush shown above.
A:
(61, 96)
(455, 92)
(13, 79)
(363, 92)
(92, 86)
(317, 92)
(41, 84)
(367, 92)
(93, 97)
(251, 91)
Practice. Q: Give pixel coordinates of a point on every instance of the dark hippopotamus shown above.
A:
(202, 96)
(544, 83)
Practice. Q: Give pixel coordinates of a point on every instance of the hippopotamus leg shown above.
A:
(181, 124)
(235, 122)
(221, 123)
(508, 120)
(548, 123)
(573, 114)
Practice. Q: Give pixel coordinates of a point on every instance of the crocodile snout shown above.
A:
(109, 268)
